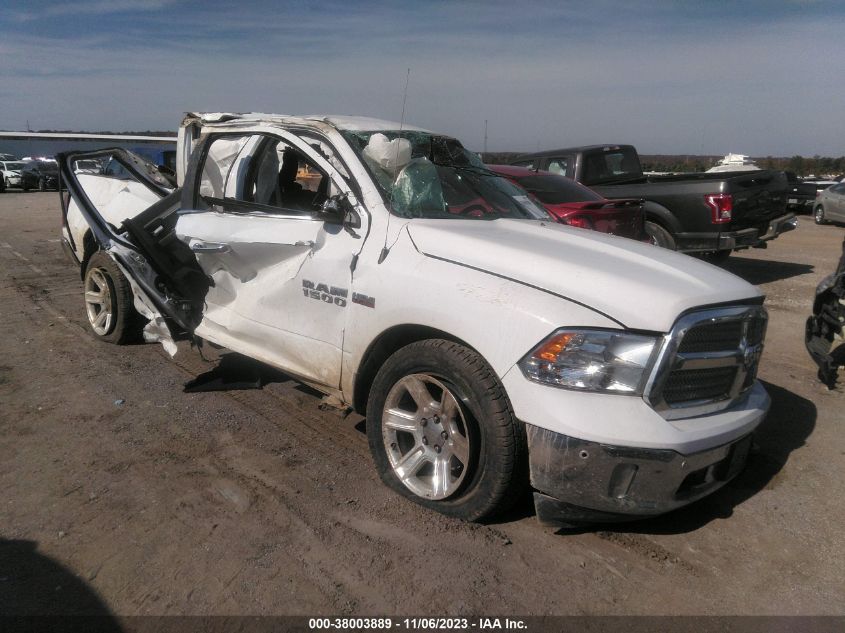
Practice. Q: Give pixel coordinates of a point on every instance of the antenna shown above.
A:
(385, 250)
(485, 137)
(401, 125)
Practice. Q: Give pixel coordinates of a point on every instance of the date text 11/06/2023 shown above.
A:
(417, 624)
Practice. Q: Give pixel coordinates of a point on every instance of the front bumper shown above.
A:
(599, 457)
(733, 240)
(581, 481)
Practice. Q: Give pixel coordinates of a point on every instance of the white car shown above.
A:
(11, 172)
(829, 205)
(488, 346)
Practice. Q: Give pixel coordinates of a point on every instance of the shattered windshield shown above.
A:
(424, 175)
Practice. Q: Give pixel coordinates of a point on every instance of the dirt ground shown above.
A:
(122, 494)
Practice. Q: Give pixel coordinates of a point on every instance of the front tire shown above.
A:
(660, 236)
(818, 215)
(108, 301)
(442, 432)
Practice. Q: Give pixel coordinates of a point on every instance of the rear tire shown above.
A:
(818, 215)
(109, 303)
(660, 236)
(442, 432)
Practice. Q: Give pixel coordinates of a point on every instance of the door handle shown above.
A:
(308, 243)
(209, 247)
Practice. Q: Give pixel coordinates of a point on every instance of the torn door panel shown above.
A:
(234, 249)
(256, 297)
(117, 199)
(132, 218)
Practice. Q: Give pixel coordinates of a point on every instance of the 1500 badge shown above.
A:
(335, 295)
(325, 293)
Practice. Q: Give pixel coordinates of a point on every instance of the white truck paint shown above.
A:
(329, 301)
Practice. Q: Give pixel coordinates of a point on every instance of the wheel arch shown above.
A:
(382, 347)
(655, 212)
(89, 247)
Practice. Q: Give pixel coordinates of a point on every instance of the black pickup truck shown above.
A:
(801, 194)
(707, 213)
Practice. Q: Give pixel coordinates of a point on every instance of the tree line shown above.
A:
(144, 133)
(800, 165)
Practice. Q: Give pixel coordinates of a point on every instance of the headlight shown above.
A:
(591, 360)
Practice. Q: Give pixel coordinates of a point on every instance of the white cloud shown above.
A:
(758, 89)
(91, 7)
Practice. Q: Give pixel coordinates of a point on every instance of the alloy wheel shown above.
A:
(425, 436)
(98, 301)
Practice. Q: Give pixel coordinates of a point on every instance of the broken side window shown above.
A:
(218, 165)
(322, 147)
(260, 173)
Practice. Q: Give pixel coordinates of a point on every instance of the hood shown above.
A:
(641, 286)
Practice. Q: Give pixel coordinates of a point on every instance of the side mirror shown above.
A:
(338, 210)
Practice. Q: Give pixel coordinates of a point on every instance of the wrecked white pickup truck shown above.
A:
(488, 346)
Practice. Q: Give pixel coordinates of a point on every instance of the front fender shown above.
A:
(500, 318)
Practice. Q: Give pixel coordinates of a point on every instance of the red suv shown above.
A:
(574, 204)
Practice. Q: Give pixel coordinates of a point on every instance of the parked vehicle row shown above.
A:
(490, 347)
(803, 192)
(707, 213)
(29, 174)
(11, 173)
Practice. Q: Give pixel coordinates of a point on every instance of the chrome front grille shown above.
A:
(698, 384)
(708, 361)
(712, 337)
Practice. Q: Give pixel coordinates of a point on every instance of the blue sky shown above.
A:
(708, 76)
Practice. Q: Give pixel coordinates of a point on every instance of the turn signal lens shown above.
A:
(549, 350)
